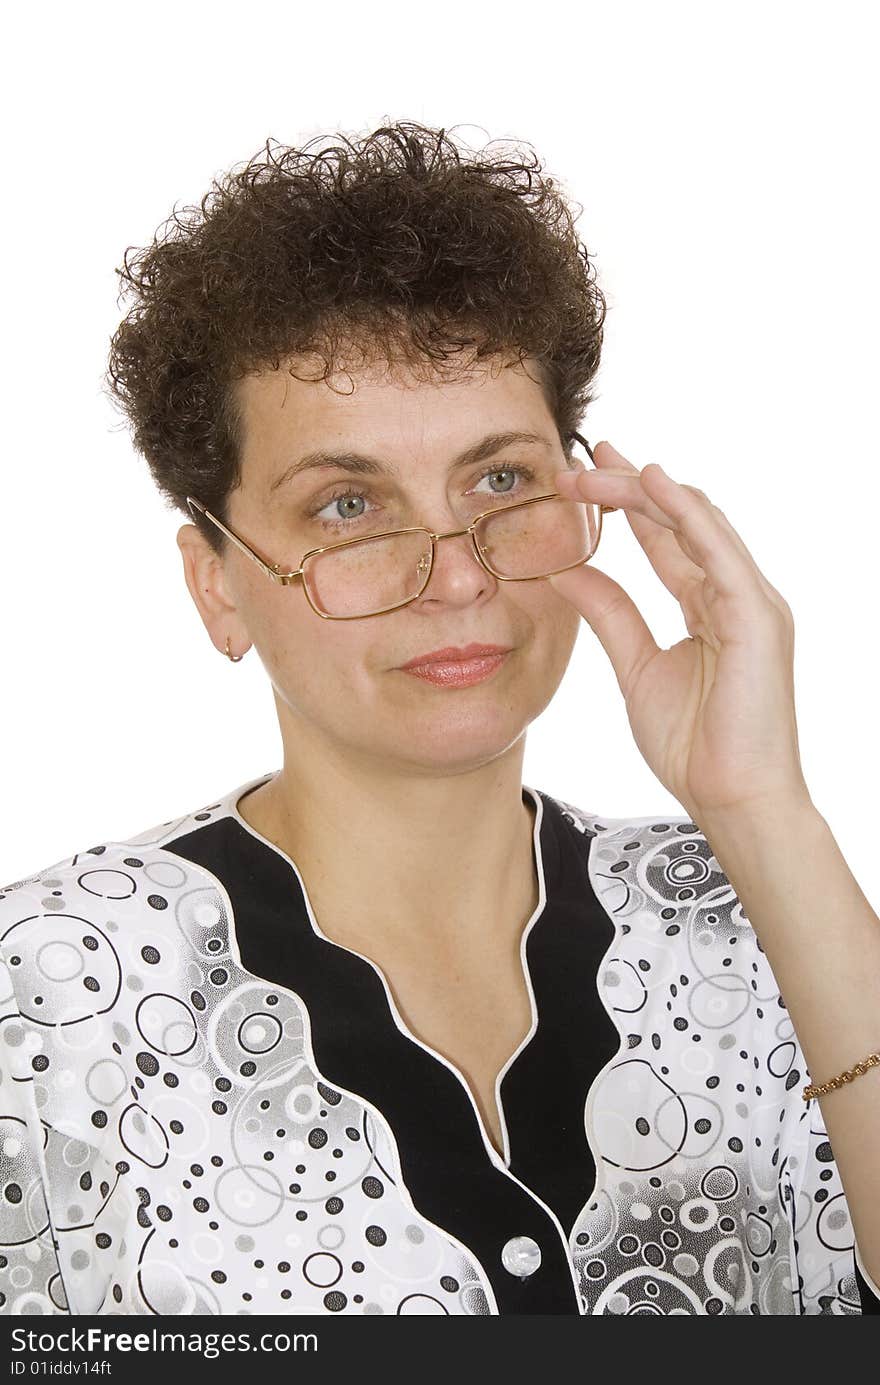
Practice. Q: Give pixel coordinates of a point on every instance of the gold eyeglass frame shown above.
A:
(287, 579)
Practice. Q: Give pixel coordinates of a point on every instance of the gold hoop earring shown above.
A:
(235, 658)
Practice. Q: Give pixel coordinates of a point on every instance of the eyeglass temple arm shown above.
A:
(273, 570)
(603, 509)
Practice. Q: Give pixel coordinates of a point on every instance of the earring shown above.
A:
(235, 658)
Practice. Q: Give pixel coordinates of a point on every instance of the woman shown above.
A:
(386, 1030)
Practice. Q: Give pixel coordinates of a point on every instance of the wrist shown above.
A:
(749, 830)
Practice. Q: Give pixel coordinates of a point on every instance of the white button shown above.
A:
(521, 1255)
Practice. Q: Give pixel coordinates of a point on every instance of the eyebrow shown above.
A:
(362, 464)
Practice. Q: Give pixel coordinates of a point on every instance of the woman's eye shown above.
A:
(340, 509)
(524, 472)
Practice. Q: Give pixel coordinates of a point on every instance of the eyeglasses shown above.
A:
(376, 573)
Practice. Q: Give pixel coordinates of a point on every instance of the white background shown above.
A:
(726, 159)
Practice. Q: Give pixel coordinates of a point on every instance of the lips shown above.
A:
(456, 654)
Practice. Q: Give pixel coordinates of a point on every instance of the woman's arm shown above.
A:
(822, 940)
(714, 717)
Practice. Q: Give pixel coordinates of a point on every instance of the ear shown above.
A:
(206, 579)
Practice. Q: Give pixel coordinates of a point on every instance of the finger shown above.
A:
(614, 618)
(676, 569)
(705, 536)
(607, 457)
(709, 536)
(612, 460)
(697, 546)
(618, 488)
(614, 463)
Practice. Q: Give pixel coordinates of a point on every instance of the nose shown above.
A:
(457, 576)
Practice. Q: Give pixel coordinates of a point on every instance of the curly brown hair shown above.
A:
(402, 243)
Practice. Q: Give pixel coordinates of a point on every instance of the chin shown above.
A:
(450, 733)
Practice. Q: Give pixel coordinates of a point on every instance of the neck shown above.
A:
(433, 862)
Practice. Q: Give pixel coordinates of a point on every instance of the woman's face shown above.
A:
(338, 683)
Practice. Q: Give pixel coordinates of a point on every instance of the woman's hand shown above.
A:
(713, 716)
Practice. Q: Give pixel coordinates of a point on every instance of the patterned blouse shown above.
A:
(210, 1107)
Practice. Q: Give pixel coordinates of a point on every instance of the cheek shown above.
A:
(313, 661)
(570, 622)
(556, 624)
(555, 621)
(564, 632)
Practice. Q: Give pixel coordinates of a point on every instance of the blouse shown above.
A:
(210, 1107)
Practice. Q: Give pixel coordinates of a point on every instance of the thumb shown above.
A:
(612, 615)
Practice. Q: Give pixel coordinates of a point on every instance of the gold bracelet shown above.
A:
(820, 1088)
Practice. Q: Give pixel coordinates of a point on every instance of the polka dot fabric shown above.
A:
(169, 1103)
(718, 1189)
(176, 1139)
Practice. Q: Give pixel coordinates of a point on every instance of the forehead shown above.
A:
(283, 416)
